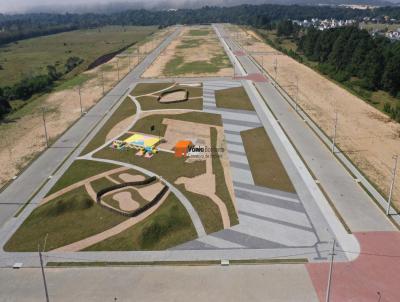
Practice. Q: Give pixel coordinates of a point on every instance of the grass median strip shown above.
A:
(233, 98)
(266, 167)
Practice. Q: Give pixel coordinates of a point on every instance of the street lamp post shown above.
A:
(395, 157)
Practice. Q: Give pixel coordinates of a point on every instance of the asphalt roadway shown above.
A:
(355, 206)
(25, 186)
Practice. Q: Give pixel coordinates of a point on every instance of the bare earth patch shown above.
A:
(23, 139)
(173, 97)
(126, 177)
(205, 51)
(364, 134)
(126, 203)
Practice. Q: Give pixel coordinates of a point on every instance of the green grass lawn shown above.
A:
(190, 43)
(80, 170)
(101, 183)
(125, 110)
(31, 56)
(169, 226)
(221, 187)
(199, 32)
(266, 167)
(144, 125)
(233, 98)
(146, 88)
(66, 219)
(177, 65)
(207, 210)
(151, 102)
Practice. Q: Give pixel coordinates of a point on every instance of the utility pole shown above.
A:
(102, 80)
(129, 62)
(395, 157)
(45, 129)
(276, 70)
(328, 289)
(334, 132)
(118, 68)
(80, 98)
(43, 275)
(297, 92)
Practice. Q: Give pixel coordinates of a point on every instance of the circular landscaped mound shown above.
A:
(173, 96)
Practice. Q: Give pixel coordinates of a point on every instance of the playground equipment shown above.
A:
(144, 143)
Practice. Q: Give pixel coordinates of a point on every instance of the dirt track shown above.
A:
(367, 136)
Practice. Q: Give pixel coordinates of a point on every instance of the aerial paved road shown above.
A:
(356, 207)
(25, 186)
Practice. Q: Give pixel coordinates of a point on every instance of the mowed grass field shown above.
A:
(31, 56)
(265, 164)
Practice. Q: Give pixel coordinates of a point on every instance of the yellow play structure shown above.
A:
(144, 143)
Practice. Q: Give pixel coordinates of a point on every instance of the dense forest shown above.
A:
(17, 27)
(350, 53)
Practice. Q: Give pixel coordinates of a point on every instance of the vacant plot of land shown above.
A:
(31, 56)
(233, 98)
(195, 52)
(169, 226)
(66, 219)
(22, 136)
(265, 165)
(364, 134)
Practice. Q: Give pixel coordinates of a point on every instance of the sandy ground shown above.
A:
(173, 97)
(150, 191)
(367, 136)
(204, 52)
(84, 243)
(126, 177)
(22, 139)
(119, 128)
(202, 184)
(182, 130)
(126, 202)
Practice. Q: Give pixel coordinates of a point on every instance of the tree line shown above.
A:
(28, 86)
(17, 27)
(352, 54)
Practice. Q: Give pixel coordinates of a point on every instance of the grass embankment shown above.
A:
(80, 170)
(150, 102)
(31, 56)
(169, 226)
(377, 98)
(233, 98)
(66, 219)
(266, 167)
(125, 110)
(221, 189)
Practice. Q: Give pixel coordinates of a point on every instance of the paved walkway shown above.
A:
(268, 219)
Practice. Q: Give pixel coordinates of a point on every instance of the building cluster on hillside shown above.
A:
(324, 24)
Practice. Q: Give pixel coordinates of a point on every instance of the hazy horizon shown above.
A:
(22, 6)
